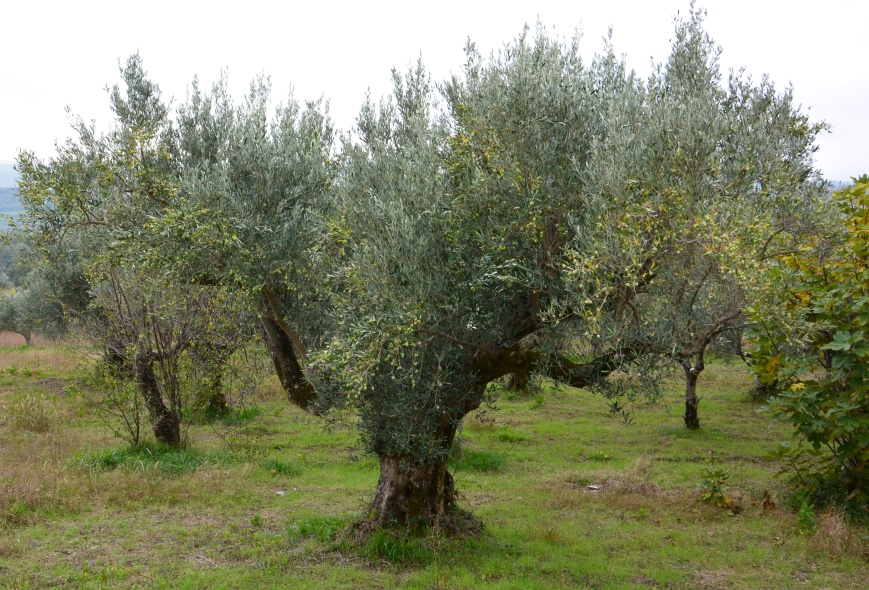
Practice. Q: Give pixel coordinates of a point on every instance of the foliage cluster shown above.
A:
(811, 343)
(535, 216)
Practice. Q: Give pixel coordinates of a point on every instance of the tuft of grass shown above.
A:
(237, 416)
(321, 528)
(598, 456)
(397, 548)
(479, 460)
(278, 467)
(509, 436)
(153, 457)
(32, 413)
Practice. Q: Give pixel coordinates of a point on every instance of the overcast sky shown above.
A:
(65, 53)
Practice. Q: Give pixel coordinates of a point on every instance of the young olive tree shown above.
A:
(97, 199)
(702, 184)
(254, 182)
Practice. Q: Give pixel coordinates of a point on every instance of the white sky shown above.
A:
(65, 53)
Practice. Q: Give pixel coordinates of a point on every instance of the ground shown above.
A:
(570, 498)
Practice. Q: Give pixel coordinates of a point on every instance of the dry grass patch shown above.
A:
(56, 358)
(32, 413)
(835, 539)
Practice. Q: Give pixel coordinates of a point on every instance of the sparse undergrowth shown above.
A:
(569, 497)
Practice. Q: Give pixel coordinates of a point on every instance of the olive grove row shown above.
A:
(534, 216)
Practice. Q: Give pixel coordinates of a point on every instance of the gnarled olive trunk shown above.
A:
(692, 420)
(519, 380)
(165, 422)
(409, 492)
(284, 355)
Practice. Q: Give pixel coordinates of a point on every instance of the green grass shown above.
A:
(481, 461)
(79, 511)
(279, 467)
(153, 457)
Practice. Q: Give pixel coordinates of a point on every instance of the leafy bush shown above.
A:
(811, 344)
(714, 487)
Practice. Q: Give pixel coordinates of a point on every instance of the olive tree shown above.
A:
(97, 198)
(702, 182)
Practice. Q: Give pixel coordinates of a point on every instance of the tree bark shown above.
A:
(166, 423)
(217, 400)
(519, 381)
(409, 492)
(692, 420)
(26, 338)
(284, 355)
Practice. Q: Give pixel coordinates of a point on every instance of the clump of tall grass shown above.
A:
(32, 413)
(153, 457)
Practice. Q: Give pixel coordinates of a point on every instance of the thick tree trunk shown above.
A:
(519, 380)
(692, 420)
(26, 339)
(409, 492)
(166, 424)
(284, 355)
(217, 400)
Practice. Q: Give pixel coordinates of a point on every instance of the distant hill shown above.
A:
(9, 205)
(8, 175)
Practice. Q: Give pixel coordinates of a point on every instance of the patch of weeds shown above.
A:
(536, 402)
(714, 487)
(12, 370)
(278, 467)
(508, 436)
(26, 372)
(806, 518)
(397, 547)
(32, 413)
(598, 456)
(478, 460)
(237, 416)
(145, 457)
(321, 528)
(257, 521)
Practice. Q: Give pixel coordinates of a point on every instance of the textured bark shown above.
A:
(299, 391)
(166, 423)
(692, 420)
(408, 492)
(519, 380)
(217, 400)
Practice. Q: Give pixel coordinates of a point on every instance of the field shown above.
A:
(570, 498)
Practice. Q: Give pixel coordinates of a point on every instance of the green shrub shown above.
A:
(810, 343)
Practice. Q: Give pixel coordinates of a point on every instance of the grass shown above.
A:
(153, 457)
(570, 498)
